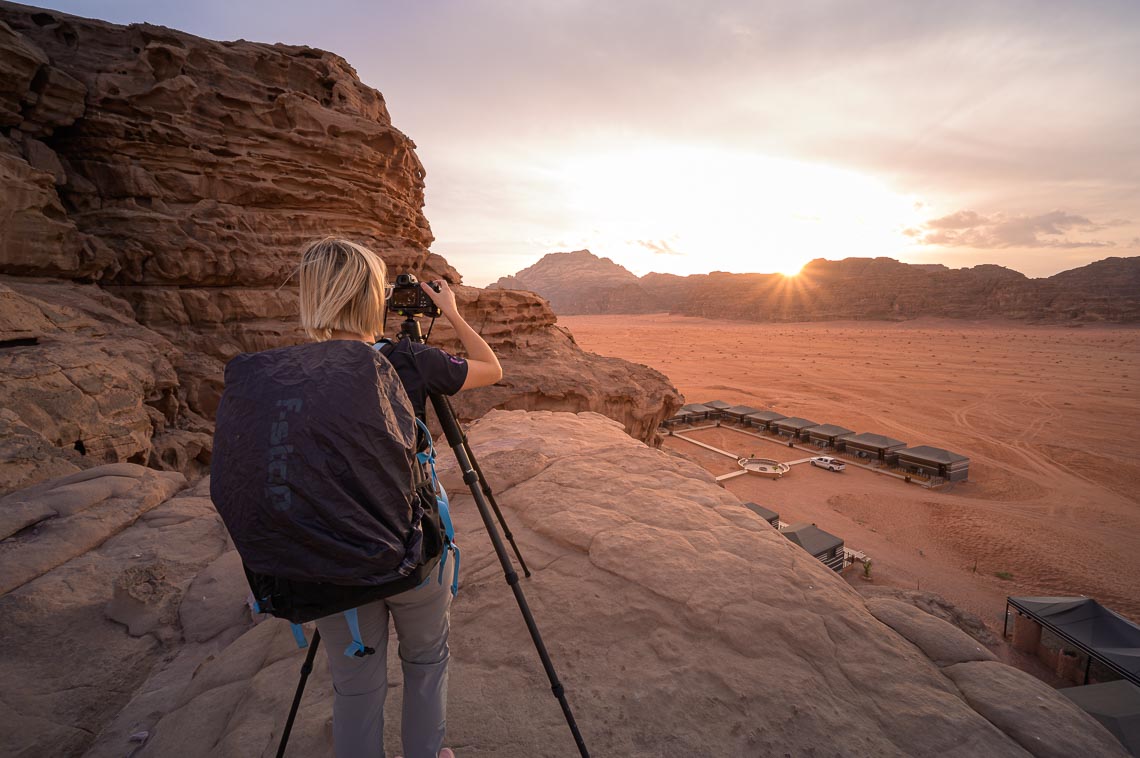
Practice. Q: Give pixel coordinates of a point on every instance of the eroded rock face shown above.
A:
(172, 181)
(680, 623)
(87, 385)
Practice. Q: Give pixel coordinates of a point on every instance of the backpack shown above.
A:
(317, 476)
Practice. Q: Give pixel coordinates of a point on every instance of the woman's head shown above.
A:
(342, 289)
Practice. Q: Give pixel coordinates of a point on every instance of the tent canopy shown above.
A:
(1116, 705)
(1088, 625)
(812, 539)
(869, 439)
(795, 422)
(765, 513)
(932, 454)
(829, 430)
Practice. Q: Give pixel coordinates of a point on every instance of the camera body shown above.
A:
(409, 300)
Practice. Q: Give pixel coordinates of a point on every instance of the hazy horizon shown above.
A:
(686, 138)
(832, 260)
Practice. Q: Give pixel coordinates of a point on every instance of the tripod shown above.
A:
(481, 492)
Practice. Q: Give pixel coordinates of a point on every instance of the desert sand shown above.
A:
(1047, 416)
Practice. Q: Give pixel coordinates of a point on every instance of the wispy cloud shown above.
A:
(660, 247)
(968, 228)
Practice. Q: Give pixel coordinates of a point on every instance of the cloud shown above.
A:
(658, 247)
(968, 228)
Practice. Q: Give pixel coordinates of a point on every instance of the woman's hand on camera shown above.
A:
(444, 299)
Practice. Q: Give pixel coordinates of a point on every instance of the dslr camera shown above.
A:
(409, 300)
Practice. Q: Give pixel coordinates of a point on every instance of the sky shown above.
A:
(686, 137)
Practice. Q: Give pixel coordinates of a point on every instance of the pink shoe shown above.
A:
(445, 753)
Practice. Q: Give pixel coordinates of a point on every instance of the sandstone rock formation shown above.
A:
(156, 190)
(680, 623)
(853, 288)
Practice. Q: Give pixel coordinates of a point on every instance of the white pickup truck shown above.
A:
(831, 464)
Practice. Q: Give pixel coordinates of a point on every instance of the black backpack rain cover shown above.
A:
(312, 472)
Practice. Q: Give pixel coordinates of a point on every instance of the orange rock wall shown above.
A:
(172, 181)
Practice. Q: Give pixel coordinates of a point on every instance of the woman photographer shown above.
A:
(343, 287)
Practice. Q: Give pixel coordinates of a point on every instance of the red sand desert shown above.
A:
(1047, 415)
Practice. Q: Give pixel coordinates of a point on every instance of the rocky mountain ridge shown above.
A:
(852, 288)
(157, 190)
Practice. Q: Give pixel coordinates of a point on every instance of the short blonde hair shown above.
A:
(342, 288)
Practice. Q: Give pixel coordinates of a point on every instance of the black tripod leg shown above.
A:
(306, 669)
(487, 491)
(471, 479)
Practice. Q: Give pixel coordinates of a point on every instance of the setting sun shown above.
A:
(687, 209)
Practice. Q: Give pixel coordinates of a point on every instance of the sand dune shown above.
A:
(1047, 415)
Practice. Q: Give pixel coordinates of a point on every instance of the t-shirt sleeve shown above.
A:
(442, 372)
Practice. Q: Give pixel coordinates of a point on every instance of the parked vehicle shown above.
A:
(831, 464)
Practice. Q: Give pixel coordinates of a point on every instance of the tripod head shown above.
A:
(410, 329)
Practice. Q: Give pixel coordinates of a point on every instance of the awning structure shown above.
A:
(1116, 705)
(1085, 624)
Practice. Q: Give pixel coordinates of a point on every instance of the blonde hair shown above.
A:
(342, 288)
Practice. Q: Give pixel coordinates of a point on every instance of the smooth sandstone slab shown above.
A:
(942, 643)
(79, 513)
(1044, 722)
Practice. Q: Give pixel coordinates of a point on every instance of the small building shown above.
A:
(762, 419)
(1094, 633)
(827, 435)
(716, 408)
(767, 514)
(793, 427)
(695, 412)
(934, 461)
(738, 412)
(684, 416)
(873, 446)
(826, 547)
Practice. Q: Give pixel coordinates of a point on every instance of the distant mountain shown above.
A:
(852, 288)
(581, 282)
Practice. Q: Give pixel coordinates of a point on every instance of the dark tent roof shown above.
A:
(740, 410)
(767, 415)
(1116, 705)
(719, 405)
(830, 430)
(695, 408)
(1085, 623)
(932, 454)
(761, 511)
(874, 440)
(795, 422)
(811, 538)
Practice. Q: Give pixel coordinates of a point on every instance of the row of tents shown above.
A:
(922, 459)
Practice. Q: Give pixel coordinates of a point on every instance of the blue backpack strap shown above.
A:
(299, 635)
(357, 648)
(443, 506)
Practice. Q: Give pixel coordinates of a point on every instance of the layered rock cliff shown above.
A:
(680, 623)
(853, 288)
(157, 188)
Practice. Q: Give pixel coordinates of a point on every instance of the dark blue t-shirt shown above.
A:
(424, 369)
